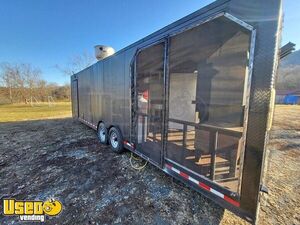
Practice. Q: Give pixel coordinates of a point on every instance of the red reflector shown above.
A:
(231, 201)
(204, 186)
(184, 175)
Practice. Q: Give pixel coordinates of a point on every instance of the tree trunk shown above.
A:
(10, 95)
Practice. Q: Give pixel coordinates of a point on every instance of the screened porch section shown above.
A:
(208, 73)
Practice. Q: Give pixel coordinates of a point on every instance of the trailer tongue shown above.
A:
(194, 98)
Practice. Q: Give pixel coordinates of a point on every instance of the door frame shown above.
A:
(134, 102)
(76, 89)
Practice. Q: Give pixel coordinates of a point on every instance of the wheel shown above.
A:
(102, 133)
(116, 140)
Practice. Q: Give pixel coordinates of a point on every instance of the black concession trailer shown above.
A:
(194, 98)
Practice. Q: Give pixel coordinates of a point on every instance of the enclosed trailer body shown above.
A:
(194, 98)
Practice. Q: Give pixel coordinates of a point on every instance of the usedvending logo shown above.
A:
(31, 210)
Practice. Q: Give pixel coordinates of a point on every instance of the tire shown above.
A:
(116, 140)
(102, 133)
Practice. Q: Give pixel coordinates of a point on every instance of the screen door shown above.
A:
(149, 99)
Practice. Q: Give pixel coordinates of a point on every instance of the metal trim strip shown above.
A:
(203, 185)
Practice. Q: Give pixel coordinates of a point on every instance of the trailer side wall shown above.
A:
(103, 91)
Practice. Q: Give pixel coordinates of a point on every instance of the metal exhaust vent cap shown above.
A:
(102, 51)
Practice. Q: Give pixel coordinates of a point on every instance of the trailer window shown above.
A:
(207, 86)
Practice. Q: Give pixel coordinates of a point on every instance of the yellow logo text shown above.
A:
(31, 210)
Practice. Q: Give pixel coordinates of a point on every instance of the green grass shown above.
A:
(21, 112)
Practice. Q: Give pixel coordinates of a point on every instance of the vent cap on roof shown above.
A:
(102, 51)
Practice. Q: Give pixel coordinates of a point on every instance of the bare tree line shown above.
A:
(76, 63)
(20, 82)
(288, 78)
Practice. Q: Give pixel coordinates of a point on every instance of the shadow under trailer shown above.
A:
(195, 99)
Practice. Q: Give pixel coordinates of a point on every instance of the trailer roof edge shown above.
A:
(200, 11)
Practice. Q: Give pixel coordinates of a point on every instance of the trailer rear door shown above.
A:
(75, 109)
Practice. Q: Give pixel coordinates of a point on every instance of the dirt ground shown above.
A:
(282, 205)
(62, 158)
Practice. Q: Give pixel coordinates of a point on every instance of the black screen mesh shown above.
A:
(208, 69)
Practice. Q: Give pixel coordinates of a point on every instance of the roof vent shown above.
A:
(102, 51)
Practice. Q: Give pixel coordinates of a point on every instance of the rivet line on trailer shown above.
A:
(203, 186)
(87, 122)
